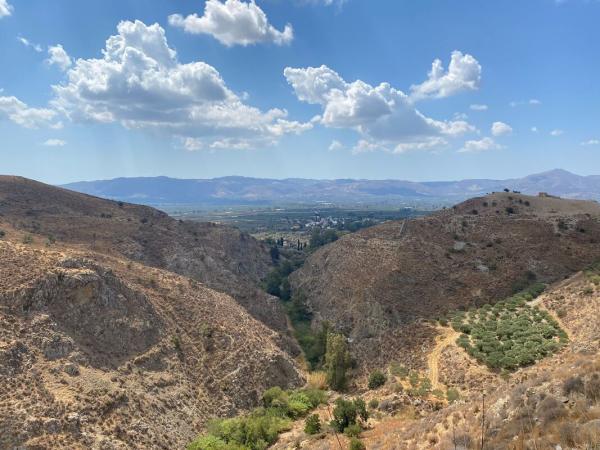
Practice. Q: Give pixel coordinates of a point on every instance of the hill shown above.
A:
(257, 191)
(551, 404)
(99, 352)
(382, 285)
(222, 257)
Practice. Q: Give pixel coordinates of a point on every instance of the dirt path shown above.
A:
(447, 337)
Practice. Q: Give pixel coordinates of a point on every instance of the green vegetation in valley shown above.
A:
(511, 333)
(260, 428)
(312, 342)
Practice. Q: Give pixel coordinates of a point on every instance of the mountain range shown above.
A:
(234, 190)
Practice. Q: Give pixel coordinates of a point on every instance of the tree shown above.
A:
(346, 413)
(298, 311)
(285, 291)
(337, 361)
(274, 254)
(312, 424)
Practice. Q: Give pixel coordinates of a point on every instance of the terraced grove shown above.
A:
(510, 333)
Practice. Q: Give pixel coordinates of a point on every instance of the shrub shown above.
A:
(377, 379)
(398, 370)
(312, 424)
(317, 380)
(275, 397)
(337, 361)
(573, 384)
(373, 403)
(27, 239)
(550, 409)
(346, 412)
(353, 430)
(568, 434)
(2, 234)
(356, 444)
(209, 443)
(452, 395)
(592, 388)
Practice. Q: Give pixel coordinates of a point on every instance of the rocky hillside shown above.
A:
(223, 258)
(381, 284)
(553, 404)
(98, 352)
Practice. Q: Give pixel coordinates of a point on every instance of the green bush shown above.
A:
(347, 412)
(312, 424)
(377, 379)
(261, 427)
(356, 444)
(373, 403)
(353, 430)
(452, 395)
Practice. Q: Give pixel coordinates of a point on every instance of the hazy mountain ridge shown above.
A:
(244, 190)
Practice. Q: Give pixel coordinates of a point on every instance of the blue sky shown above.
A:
(298, 88)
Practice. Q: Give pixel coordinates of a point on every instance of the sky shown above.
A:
(387, 89)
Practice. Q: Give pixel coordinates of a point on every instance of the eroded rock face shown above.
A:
(94, 308)
(98, 353)
(223, 258)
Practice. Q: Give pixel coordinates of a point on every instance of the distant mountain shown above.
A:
(246, 191)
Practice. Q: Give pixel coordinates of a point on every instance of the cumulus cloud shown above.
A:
(463, 74)
(534, 129)
(481, 145)
(27, 43)
(16, 111)
(233, 22)
(591, 142)
(55, 143)
(140, 84)
(384, 116)
(477, 107)
(57, 56)
(5, 8)
(556, 133)
(501, 129)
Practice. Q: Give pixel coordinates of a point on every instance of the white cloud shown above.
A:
(5, 8)
(15, 110)
(140, 84)
(233, 22)
(534, 129)
(55, 143)
(501, 129)
(27, 43)
(463, 74)
(556, 133)
(477, 107)
(591, 142)
(335, 145)
(384, 116)
(59, 57)
(481, 145)
(531, 102)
